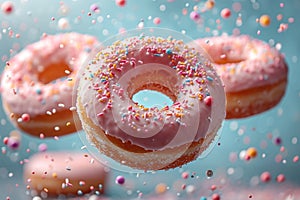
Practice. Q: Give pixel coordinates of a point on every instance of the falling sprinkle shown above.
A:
(280, 178)
(209, 173)
(13, 143)
(121, 3)
(7, 7)
(185, 175)
(160, 188)
(296, 159)
(209, 4)
(156, 20)
(265, 177)
(215, 197)
(63, 24)
(120, 180)
(43, 147)
(251, 152)
(194, 15)
(225, 13)
(265, 20)
(94, 8)
(25, 117)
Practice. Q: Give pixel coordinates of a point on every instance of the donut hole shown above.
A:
(158, 82)
(53, 72)
(150, 98)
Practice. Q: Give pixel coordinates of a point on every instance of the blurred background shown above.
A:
(224, 165)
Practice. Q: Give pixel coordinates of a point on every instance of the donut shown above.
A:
(53, 174)
(150, 138)
(37, 84)
(254, 73)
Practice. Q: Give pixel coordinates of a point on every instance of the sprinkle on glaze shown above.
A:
(22, 88)
(116, 73)
(244, 62)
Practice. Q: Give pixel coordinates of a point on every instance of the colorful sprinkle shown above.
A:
(25, 117)
(265, 20)
(185, 175)
(7, 7)
(79, 193)
(277, 141)
(213, 187)
(13, 143)
(225, 13)
(194, 15)
(94, 8)
(5, 140)
(265, 177)
(215, 197)
(208, 100)
(156, 20)
(280, 178)
(209, 173)
(43, 147)
(209, 4)
(121, 3)
(161, 188)
(63, 23)
(251, 152)
(296, 159)
(120, 180)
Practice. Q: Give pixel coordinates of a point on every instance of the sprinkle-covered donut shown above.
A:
(37, 83)
(254, 73)
(53, 174)
(157, 137)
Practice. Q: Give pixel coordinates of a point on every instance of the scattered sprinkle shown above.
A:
(121, 3)
(225, 13)
(265, 177)
(265, 20)
(161, 188)
(120, 180)
(7, 7)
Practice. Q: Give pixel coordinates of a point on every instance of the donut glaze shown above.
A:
(254, 73)
(64, 173)
(116, 124)
(39, 80)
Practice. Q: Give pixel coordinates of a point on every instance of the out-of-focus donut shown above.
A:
(254, 73)
(37, 84)
(64, 173)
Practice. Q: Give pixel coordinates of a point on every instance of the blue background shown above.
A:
(32, 18)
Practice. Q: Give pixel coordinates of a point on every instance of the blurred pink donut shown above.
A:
(64, 173)
(253, 72)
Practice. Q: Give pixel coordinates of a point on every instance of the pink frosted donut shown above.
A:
(254, 74)
(37, 83)
(64, 173)
(150, 138)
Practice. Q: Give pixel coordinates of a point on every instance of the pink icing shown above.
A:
(113, 76)
(244, 62)
(22, 90)
(75, 166)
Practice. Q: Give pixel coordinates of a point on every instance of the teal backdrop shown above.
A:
(31, 18)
